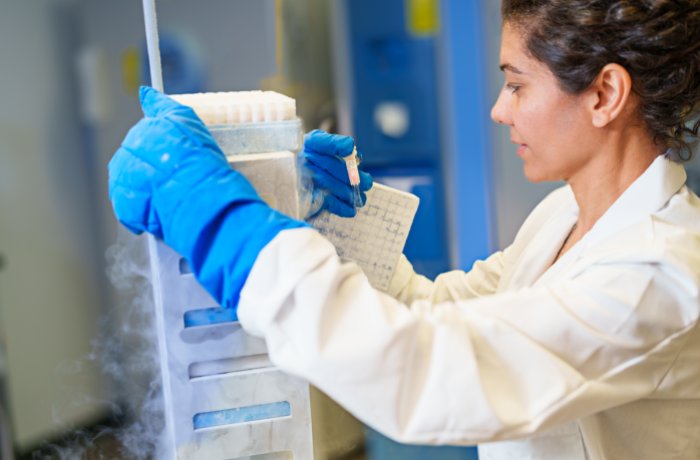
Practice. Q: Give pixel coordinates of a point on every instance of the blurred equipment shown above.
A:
(6, 449)
(302, 60)
(5, 437)
(55, 264)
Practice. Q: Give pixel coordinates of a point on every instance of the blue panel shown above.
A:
(382, 448)
(241, 415)
(467, 126)
(390, 65)
(209, 316)
(426, 246)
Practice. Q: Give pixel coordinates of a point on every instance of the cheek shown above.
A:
(530, 109)
(548, 123)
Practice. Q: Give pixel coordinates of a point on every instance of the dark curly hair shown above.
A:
(657, 41)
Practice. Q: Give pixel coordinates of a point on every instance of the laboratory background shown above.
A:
(411, 80)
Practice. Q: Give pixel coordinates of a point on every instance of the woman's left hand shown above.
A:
(322, 163)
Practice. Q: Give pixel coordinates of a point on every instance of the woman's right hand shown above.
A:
(325, 174)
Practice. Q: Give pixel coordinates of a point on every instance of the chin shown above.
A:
(537, 176)
(533, 175)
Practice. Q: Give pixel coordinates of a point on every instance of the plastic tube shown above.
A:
(351, 162)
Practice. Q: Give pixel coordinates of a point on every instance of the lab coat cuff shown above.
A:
(402, 276)
(275, 274)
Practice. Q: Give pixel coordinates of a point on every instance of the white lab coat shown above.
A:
(596, 356)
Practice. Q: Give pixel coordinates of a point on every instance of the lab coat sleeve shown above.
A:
(490, 368)
(407, 286)
(482, 279)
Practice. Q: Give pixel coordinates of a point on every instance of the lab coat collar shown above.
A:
(536, 259)
(645, 196)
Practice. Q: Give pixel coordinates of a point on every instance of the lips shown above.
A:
(521, 149)
(521, 146)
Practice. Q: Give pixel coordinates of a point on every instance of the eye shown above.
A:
(513, 88)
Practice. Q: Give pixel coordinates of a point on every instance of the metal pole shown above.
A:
(149, 16)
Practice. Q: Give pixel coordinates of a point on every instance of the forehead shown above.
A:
(514, 56)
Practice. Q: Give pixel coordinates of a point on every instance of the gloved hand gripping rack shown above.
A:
(224, 400)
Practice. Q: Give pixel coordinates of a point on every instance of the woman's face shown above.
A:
(552, 128)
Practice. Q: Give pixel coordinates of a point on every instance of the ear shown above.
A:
(610, 94)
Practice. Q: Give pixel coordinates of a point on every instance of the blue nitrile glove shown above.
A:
(170, 178)
(322, 161)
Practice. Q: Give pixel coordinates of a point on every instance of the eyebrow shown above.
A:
(511, 68)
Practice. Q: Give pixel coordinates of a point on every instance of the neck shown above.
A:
(608, 173)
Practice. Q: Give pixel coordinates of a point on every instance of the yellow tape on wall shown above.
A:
(131, 70)
(423, 17)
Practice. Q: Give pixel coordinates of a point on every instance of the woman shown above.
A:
(580, 340)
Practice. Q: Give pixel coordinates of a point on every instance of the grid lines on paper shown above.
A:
(375, 237)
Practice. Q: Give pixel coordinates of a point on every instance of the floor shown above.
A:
(100, 443)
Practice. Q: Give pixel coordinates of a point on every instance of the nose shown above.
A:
(499, 112)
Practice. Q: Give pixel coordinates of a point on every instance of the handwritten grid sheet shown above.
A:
(375, 237)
